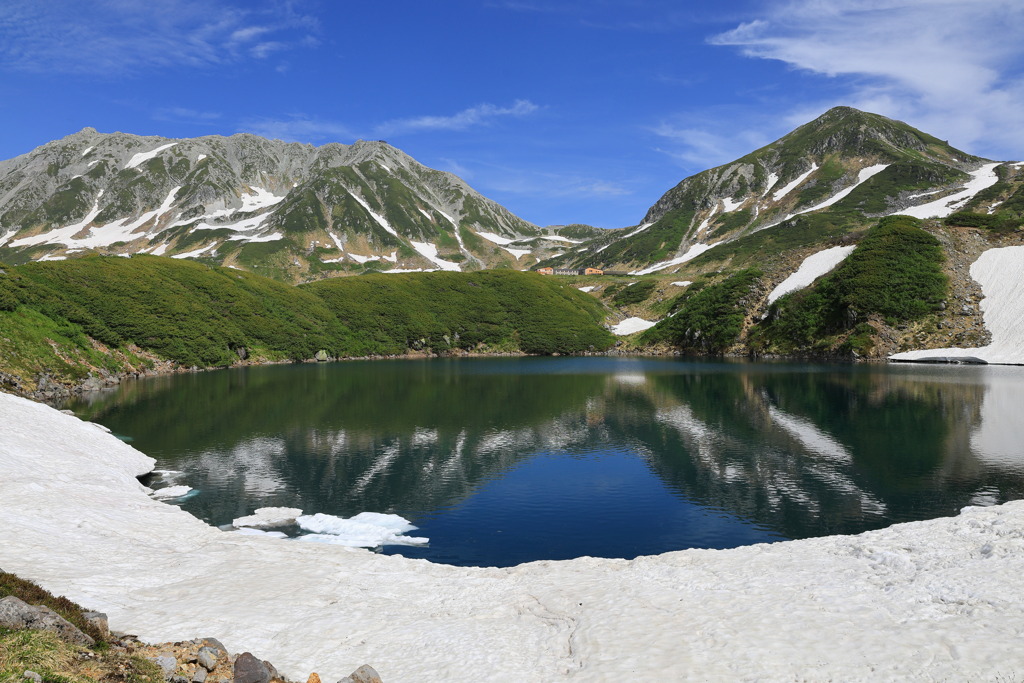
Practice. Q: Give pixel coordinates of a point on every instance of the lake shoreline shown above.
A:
(54, 392)
(938, 599)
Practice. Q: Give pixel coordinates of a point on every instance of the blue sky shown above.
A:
(562, 110)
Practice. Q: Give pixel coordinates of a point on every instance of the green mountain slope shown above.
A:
(291, 211)
(836, 174)
(85, 315)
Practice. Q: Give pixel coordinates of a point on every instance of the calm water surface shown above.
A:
(502, 461)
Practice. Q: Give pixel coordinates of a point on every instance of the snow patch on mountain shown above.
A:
(146, 156)
(195, 253)
(518, 253)
(981, 178)
(795, 183)
(730, 205)
(429, 252)
(259, 198)
(811, 268)
(381, 221)
(862, 176)
(692, 253)
(62, 235)
(631, 325)
(497, 239)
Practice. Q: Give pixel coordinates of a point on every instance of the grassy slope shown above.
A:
(69, 317)
(57, 661)
(895, 273)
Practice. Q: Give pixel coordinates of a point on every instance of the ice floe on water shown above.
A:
(249, 531)
(268, 518)
(167, 492)
(365, 530)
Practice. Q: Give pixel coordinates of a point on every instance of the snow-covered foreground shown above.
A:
(1000, 272)
(936, 600)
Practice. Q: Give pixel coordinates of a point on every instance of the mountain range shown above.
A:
(298, 212)
(291, 211)
(853, 235)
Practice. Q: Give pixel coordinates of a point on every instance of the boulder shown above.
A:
(248, 669)
(215, 645)
(99, 620)
(364, 674)
(207, 658)
(15, 613)
(167, 663)
(321, 356)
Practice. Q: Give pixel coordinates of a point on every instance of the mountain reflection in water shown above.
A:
(500, 461)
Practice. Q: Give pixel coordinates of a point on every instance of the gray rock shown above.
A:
(248, 669)
(215, 645)
(33, 676)
(167, 663)
(271, 669)
(99, 620)
(15, 613)
(92, 384)
(199, 676)
(364, 674)
(207, 658)
(321, 356)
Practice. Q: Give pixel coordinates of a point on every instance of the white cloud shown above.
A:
(949, 67)
(553, 185)
(299, 128)
(467, 118)
(186, 115)
(697, 145)
(114, 37)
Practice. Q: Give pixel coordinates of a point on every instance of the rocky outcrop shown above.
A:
(17, 614)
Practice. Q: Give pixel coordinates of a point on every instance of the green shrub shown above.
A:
(895, 272)
(708, 320)
(636, 293)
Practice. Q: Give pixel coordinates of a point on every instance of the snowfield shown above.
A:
(936, 600)
(982, 178)
(811, 268)
(1000, 272)
(631, 325)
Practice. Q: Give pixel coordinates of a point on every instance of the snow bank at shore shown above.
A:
(1000, 272)
(936, 600)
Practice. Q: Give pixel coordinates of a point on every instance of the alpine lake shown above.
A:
(500, 461)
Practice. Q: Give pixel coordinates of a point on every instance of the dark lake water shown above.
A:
(503, 461)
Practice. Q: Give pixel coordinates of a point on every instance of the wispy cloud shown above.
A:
(481, 114)
(114, 37)
(299, 128)
(186, 115)
(700, 143)
(553, 185)
(951, 67)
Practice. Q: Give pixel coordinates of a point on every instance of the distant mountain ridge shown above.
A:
(290, 210)
(839, 172)
(298, 213)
